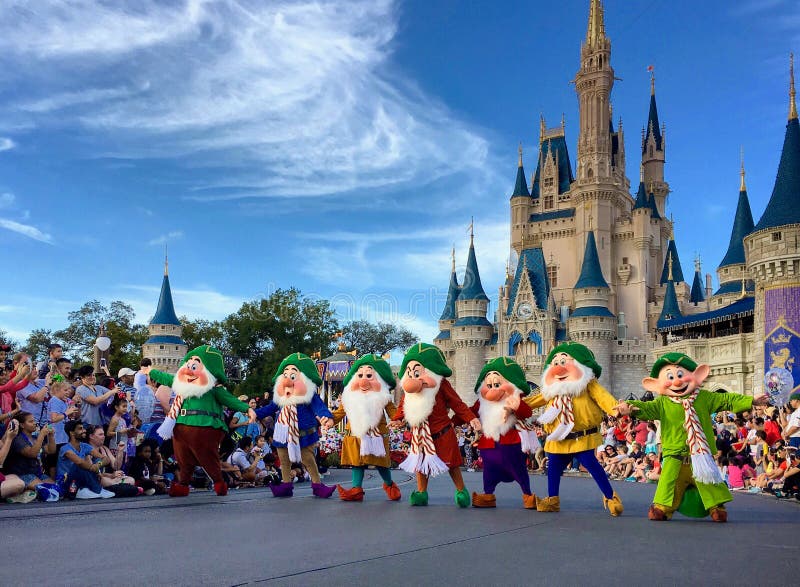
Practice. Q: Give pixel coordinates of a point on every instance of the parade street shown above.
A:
(250, 538)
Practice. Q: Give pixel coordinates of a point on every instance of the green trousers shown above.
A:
(678, 490)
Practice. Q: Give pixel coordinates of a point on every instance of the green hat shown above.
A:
(508, 368)
(795, 395)
(430, 357)
(304, 363)
(578, 352)
(377, 363)
(672, 359)
(211, 358)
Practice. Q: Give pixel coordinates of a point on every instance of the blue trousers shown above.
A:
(84, 478)
(557, 462)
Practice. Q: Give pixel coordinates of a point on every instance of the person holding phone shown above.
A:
(10, 485)
(26, 448)
(92, 396)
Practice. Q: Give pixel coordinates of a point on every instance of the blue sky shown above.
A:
(342, 147)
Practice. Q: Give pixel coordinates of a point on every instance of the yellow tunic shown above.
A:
(587, 408)
(351, 445)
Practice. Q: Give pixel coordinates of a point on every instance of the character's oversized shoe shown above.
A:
(548, 504)
(462, 498)
(483, 500)
(282, 489)
(529, 501)
(221, 488)
(352, 494)
(613, 505)
(392, 491)
(656, 514)
(322, 490)
(418, 498)
(719, 514)
(178, 490)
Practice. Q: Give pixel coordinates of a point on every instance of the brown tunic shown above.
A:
(351, 445)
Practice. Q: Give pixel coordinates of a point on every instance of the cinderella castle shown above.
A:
(595, 262)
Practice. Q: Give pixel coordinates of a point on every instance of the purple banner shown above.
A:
(782, 330)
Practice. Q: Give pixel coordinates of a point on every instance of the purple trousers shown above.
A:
(503, 464)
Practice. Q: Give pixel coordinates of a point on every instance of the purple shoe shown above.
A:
(322, 490)
(282, 489)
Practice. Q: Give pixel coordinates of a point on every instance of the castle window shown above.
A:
(163, 327)
(776, 237)
(161, 347)
(624, 260)
(176, 348)
(548, 182)
(548, 202)
(651, 150)
(552, 276)
(590, 173)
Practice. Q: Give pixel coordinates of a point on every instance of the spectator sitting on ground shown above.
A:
(248, 470)
(92, 396)
(240, 423)
(23, 459)
(791, 478)
(10, 485)
(76, 464)
(791, 431)
(111, 473)
(140, 470)
(615, 464)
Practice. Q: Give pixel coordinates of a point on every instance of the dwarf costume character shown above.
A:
(300, 413)
(690, 481)
(575, 403)
(506, 436)
(195, 421)
(424, 406)
(366, 401)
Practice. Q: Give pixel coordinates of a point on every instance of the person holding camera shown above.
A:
(12, 378)
(10, 485)
(92, 396)
(23, 459)
(34, 396)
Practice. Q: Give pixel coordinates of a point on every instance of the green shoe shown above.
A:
(462, 498)
(419, 498)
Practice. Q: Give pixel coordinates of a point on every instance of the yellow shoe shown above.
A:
(529, 501)
(548, 504)
(613, 505)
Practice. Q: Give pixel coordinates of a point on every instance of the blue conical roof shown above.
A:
(165, 312)
(671, 310)
(651, 202)
(742, 226)
(591, 272)
(784, 204)
(449, 312)
(652, 124)
(472, 289)
(641, 198)
(697, 294)
(677, 272)
(521, 186)
(554, 147)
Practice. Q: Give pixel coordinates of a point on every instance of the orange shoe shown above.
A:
(392, 491)
(719, 514)
(529, 501)
(352, 494)
(483, 500)
(656, 514)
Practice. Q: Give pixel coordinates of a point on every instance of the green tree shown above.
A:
(381, 338)
(127, 337)
(5, 338)
(264, 331)
(38, 339)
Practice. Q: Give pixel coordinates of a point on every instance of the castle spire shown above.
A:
(521, 185)
(591, 272)
(742, 186)
(166, 261)
(472, 288)
(672, 264)
(165, 311)
(653, 128)
(792, 93)
(449, 312)
(671, 309)
(697, 293)
(596, 30)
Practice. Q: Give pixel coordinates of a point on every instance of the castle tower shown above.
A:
(520, 206)
(448, 317)
(732, 270)
(165, 347)
(697, 295)
(773, 261)
(653, 153)
(471, 332)
(592, 323)
(671, 309)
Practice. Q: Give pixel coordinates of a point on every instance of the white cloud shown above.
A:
(26, 230)
(6, 200)
(292, 97)
(165, 238)
(6, 144)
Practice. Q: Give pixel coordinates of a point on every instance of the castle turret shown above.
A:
(653, 153)
(592, 323)
(520, 205)
(671, 263)
(165, 347)
(773, 258)
(697, 294)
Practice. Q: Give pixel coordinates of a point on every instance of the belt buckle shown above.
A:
(183, 412)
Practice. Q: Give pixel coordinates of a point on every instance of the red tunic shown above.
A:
(523, 412)
(444, 437)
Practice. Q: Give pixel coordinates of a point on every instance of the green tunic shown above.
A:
(673, 444)
(211, 403)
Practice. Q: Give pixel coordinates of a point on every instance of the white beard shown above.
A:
(418, 406)
(295, 400)
(567, 388)
(365, 410)
(491, 415)
(186, 389)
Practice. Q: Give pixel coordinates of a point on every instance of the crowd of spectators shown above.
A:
(63, 434)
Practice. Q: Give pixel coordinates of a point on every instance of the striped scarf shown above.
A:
(372, 443)
(168, 425)
(422, 457)
(561, 408)
(528, 439)
(704, 468)
(287, 432)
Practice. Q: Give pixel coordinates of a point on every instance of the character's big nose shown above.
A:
(288, 382)
(364, 384)
(412, 385)
(558, 370)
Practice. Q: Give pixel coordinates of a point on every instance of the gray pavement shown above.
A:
(250, 538)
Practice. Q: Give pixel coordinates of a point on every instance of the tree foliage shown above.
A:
(38, 340)
(381, 338)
